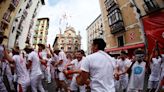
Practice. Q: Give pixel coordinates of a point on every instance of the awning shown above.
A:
(126, 47)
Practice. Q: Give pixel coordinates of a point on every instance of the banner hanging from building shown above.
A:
(154, 29)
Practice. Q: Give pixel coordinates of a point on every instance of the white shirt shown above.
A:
(21, 69)
(43, 54)
(101, 68)
(55, 58)
(63, 57)
(36, 69)
(77, 65)
(137, 76)
(155, 69)
(122, 65)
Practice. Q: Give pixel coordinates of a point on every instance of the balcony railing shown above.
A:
(117, 27)
(7, 18)
(150, 6)
(109, 4)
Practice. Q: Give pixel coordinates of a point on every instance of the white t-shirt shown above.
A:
(122, 66)
(155, 69)
(36, 69)
(101, 68)
(63, 57)
(49, 61)
(77, 65)
(137, 76)
(21, 69)
(43, 54)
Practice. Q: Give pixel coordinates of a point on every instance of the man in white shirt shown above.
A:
(76, 63)
(155, 66)
(36, 73)
(122, 65)
(21, 71)
(61, 68)
(137, 71)
(99, 67)
(42, 53)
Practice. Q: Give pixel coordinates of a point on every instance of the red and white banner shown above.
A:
(154, 29)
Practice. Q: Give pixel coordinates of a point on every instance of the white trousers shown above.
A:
(48, 75)
(22, 87)
(74, 86)
(36, 84)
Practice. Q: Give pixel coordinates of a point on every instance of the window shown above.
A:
(150, 5)
(7, 16)
(13, 29)
(70, 41)
(69, 48)
(120, 40)
(76, 48)
(69, 34)
(114, 16)
(20, 10)
(62, 48)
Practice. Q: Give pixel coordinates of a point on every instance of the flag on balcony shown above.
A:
(154, 29)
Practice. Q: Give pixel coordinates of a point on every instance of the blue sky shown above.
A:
(80, 14)
(53, 2)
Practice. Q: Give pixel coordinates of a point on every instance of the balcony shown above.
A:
(151, 6)
(25, 13)
(109, 4)
(117, 27)
(6, 18)
(13, 4)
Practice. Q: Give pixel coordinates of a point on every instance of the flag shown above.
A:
(154, 29)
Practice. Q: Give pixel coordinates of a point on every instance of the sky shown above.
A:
(76, 13)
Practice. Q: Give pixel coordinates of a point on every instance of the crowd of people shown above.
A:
(24, 70)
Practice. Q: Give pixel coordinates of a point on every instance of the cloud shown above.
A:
(82, 13)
